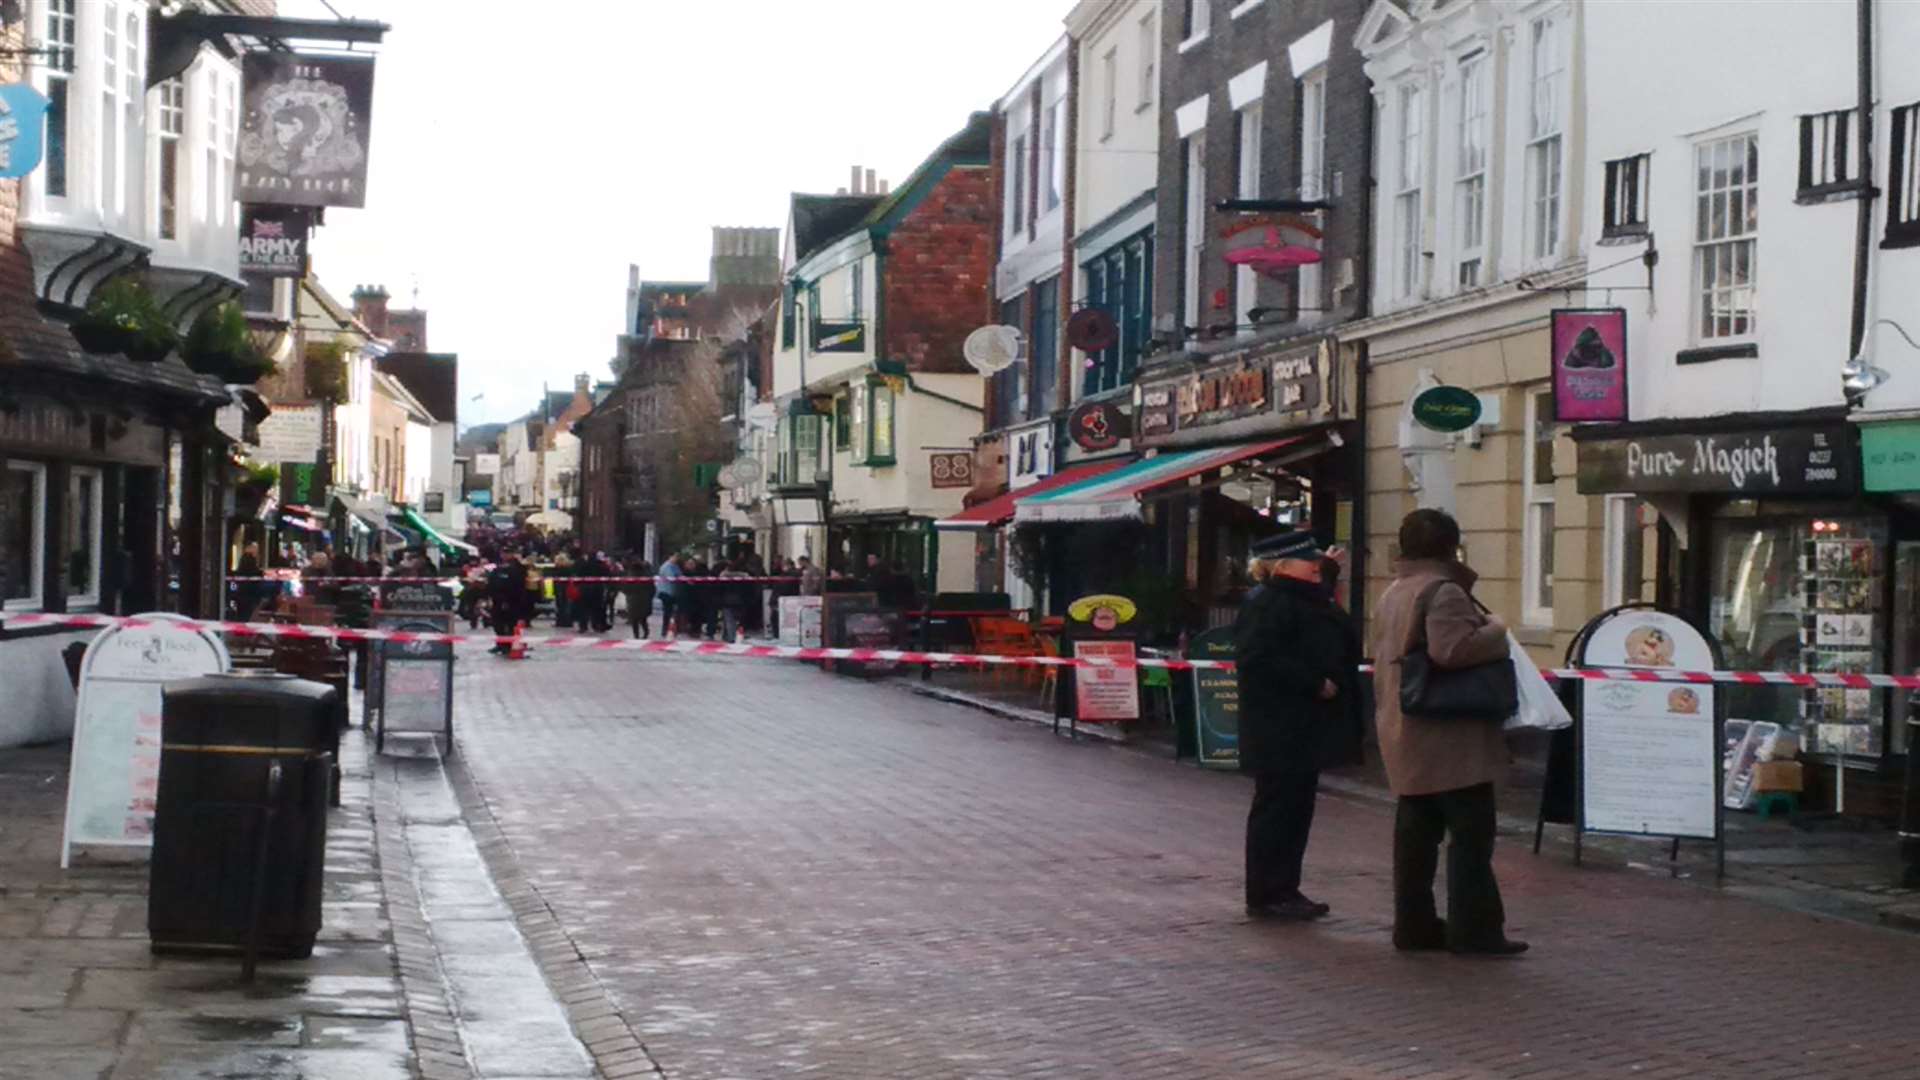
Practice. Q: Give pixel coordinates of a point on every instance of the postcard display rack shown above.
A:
(1843, 589)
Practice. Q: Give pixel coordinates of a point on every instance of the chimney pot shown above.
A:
(854, 187)
(871, 187)
(883, 187)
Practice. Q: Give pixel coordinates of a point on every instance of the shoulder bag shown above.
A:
(1488, 692)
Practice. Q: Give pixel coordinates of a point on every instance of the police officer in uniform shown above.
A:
(1297, 660)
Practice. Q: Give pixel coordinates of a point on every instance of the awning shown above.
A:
(298, 517)
(445, 543)
(1117, 495)
(998, 510)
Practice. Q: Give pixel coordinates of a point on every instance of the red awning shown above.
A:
(997, 511)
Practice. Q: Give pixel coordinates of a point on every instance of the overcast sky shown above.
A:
(520, 160)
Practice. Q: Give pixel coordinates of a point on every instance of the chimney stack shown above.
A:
(583, 384)
(883, 187)
(370, 307)
(872, 188)
(854, 187)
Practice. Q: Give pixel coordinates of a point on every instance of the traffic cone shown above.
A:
(518, 650)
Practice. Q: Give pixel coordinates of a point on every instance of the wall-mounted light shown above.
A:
(1859, 376)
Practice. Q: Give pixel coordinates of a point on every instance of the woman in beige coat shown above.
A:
(1443, 771)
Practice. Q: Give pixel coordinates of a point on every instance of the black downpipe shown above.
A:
(1863, 218)
(1363, 300)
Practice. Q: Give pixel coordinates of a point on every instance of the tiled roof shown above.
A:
(31, 340)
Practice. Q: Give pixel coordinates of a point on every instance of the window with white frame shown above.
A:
(1196, 225)
(856, 289)
(23, 534)
(1246, 283)
(1624, 212)
(133, 102)
(1547, 55)
(81, 540)
(1826, 151)
(1537, 590)
(1054, 162)
(170, 123)
(1406, 193)
(1726, 236)
(1313, 134)
(1017, 186)
(1149, 37)
(59, 40)
(228, 143)
(110, 156)
(1109, 91)
(1199, 16)
(1470, 173)
(1903, 178)
(1626, 572)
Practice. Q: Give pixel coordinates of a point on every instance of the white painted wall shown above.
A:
(1031, 251)
(1895, 275)
(417, 464)
(38, 704)
(1686, 84)
(1114, 169)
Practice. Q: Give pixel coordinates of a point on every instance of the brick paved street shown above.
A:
(779, 872)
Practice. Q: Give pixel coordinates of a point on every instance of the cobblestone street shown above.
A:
(775, 871)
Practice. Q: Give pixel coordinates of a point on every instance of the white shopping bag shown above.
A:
(1540, 707)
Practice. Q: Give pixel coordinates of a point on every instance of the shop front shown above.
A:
(1763, 533)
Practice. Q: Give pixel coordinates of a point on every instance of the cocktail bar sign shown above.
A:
(1787, 460)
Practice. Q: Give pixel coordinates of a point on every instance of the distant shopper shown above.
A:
(812, 581)
(1297, 660)
(1442, 770)
(640, 598)
(672, 593)
(736, 592)
(508, 595)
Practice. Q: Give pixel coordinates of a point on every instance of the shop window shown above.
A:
(81, 539)
(1626, 196)
(1470, 173)
(1903, 179)
(1826, 152)
(1797, 590)
(1626, 550)
(23, 532)
(1726, 236)
(1407, 219)
(1548, 55)
(1537, 590)
(1044, 396)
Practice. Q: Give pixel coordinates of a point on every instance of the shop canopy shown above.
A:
(1117, 495)
(997, 511)
(299, 517)
(445, 543)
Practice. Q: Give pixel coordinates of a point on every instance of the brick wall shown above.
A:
(939, 272)
(1233, 46)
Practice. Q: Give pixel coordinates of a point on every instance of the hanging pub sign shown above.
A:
(832, 337)
(303, 140)
(1589, 364)
(1271, 245)
(1817, 460)
(273, 241)
(23, 112)
(951, 468)
(1097, 425)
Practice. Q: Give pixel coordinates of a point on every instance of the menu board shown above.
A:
(409, 683)
(1106, 692)
(1216, 700)
(115, 774)
(1650, 756)
(800, 622)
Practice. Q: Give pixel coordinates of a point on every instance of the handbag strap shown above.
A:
(1418, 641)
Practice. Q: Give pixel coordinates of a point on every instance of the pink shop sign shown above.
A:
(1589, 364)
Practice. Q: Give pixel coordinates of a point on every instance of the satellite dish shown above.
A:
(726, 478)
(993, 349)
(1091, 329)
(746, 471)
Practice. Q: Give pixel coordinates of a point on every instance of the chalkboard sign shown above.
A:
(857, 621)
(410, 683)
(1216, 700)
(416, 597)
(115, 774)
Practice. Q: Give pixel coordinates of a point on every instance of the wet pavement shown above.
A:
(773, 871)
(82, 995)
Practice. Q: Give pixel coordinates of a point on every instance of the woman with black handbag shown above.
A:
(1444, 686)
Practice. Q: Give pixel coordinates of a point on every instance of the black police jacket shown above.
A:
(1290, 640)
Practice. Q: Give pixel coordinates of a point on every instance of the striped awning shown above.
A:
(998, 510)
(1117, 495)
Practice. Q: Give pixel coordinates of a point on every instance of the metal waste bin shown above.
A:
(240, 821)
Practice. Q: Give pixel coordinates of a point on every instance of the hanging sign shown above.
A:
(1031, 459)
(1589, 364)
(273, 241)
(1780, 460)
(1650, 751)
(303, 140)
(115, 775)
(1446, 409)
(839, 337)
(951, 468)
(292, 432)
(1216, 700)
(1102, 611)
(23, 129)
(1097, 425)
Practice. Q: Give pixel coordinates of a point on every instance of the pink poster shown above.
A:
(1589, 364)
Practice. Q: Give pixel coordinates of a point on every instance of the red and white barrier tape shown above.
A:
(901, 656)
(444, 578)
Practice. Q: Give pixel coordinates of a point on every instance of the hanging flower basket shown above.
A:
(219, 344)
(123, 317)
(100, 338)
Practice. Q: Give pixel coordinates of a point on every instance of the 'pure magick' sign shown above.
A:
(1787, 460)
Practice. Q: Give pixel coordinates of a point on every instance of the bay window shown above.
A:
(23, 534)
(170, 123)
(59, 42)
(872, 425)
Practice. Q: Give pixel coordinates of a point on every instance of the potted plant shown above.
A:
(123, 317)
(220, 345)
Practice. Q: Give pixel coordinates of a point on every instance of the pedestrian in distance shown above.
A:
(1297, 661)
(812, 581)
(640, 598)
(590, 597)
(735, 593)
(508, 595)
(670, 595)
(1442, 771)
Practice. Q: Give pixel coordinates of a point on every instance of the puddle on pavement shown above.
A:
(241, 1029)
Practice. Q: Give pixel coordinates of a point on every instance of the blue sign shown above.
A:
(23, 129)
(480, 498)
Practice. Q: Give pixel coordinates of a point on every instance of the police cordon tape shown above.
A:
(447, 579)
(898, 656)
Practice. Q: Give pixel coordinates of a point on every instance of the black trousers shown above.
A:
(1474, 912)
(504, 624)
(1277, 828)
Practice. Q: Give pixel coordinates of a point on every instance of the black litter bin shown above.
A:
(240, 822)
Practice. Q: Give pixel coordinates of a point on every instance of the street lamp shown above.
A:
(1859, 376)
